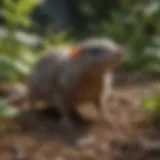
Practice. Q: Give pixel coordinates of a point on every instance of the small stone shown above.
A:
(83, 142)
(19, 153)
(59, 158)
(105, 147)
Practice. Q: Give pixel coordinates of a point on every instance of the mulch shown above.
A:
(130, 136)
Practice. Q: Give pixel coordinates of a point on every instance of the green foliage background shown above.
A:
(135, 24)
(16, 55)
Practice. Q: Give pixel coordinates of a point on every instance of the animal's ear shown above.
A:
(75, 52)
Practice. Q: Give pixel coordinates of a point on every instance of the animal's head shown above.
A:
(98, 53)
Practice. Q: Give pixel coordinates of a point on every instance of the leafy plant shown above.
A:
(6, 111)
(53, 40)
(7, 115)
(135, 24)
(16, 55)
(18, 12)
(152, 103)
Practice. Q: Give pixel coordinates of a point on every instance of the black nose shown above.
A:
(119, 53)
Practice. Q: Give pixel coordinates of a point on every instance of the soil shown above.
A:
(36, 135)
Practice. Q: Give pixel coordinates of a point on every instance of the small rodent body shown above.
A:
(65, 80)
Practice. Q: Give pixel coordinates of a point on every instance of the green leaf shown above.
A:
(6, 111)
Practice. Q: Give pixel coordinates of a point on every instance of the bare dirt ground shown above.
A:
(129, 137)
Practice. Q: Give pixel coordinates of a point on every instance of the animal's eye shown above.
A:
(97, 51)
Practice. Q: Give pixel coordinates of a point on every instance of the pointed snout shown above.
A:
(120, 53)
(116, 58)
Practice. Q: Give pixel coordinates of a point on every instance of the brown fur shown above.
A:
(67, 81)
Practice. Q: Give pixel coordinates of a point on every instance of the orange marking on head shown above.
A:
(75, 52)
